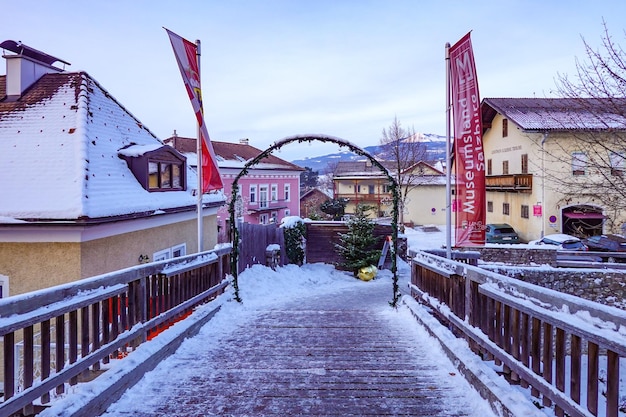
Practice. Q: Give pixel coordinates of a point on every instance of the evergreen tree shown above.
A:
(357, 246)
(294, 241)
(335, 208)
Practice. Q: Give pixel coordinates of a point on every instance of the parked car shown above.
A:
(561, 241)
(608, 243)
(500, 233)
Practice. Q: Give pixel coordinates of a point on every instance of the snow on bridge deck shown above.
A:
(342, 352)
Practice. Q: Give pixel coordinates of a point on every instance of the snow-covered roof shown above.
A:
(561, 114)
(60, 151)
(233, 155)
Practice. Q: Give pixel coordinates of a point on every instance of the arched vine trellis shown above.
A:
(234, 232)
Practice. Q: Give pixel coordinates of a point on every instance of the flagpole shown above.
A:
(448, 161)
(199, 162)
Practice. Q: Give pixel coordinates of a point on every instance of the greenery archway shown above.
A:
(234, 232)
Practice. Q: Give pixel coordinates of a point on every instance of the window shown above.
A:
(489, 167)
(263, 196)
(4, 286)
(370, 189)
(179, 250)
(287, 213)
(525, 163)
(505, 167)
(253, 194)
(164, 176)
(505, 128)
(525, 211)
(506, 209)
(264, 219)
(274, 217)
(490, 206)
(579, 163)
(618, 163)
(386, 188)
(169, 253)
(358, 188)
(287, 192)
(156, 170)
(274, 192)
(162, 255)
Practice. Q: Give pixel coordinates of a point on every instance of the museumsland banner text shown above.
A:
(469, 159)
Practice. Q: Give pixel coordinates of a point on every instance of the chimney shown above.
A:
(25, 67)
(244, 141)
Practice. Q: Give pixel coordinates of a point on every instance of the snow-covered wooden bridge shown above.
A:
(339, 354)
(341, 351)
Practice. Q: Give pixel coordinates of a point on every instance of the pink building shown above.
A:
(270, 190)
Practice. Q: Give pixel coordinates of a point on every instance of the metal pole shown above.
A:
(199, 162)
(448, 161)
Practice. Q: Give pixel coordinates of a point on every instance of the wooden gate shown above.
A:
(254, 239)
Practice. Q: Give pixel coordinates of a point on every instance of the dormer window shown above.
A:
(165, 175)
(156, 167)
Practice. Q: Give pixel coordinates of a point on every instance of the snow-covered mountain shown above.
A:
(435, 147)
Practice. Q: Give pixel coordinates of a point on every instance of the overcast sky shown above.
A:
(277, 68)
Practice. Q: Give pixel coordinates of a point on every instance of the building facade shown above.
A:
(361, 183)
(540, 174)
(267, 193)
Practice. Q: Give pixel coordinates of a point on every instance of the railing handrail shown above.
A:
(514, 322)
(104, 314)
(522, 290)
(16, 304)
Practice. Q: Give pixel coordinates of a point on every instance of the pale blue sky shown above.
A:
(277, 68)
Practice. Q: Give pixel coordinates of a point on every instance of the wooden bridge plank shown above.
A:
(345, 355)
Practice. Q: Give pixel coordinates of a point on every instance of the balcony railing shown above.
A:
(520, 183)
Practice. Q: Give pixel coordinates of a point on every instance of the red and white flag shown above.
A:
(186, 57)
(468, 146)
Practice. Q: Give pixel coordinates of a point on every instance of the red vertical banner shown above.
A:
(469, 158)
(185, 53)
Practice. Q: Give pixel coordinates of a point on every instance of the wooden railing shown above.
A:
(565, 350)
(513, 182)
(59, 335)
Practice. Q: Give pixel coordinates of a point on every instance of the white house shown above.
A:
(85, 187)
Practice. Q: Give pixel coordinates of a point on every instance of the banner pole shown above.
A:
(448, 161)
(199, 163)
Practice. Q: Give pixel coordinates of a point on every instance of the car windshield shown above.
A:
(572, 245)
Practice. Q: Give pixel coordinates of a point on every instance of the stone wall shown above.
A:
(538, 267)
(601, 286)
(514, 256)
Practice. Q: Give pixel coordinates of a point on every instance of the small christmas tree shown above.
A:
(294, 231)
(357, 246)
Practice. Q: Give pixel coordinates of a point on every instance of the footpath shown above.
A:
(343, 354)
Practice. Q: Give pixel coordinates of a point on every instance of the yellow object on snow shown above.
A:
(367, 273)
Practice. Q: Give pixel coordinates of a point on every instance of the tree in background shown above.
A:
(308, 178)
(335, 207)
(598, 109)
(402, 150)
(357, 245)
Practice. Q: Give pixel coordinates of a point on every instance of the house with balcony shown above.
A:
(548, 162)
(86, 187)
(267, 193)
(362, 183)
